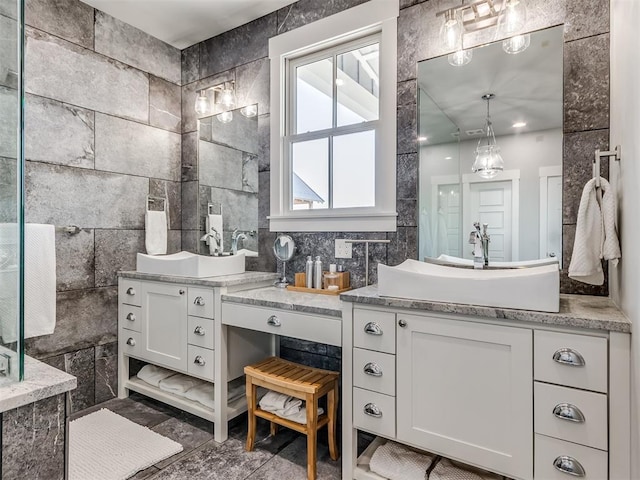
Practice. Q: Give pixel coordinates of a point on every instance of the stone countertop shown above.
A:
(284, 299)
(40, 381)
(582, 311)
(221, 281)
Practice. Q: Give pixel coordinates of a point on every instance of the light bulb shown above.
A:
(226, 97)
(202, 104)
(516, 44)
(488, 161)
(225, 117)
(451, 30)
(249, 111)
(460, 58)
(514, 16)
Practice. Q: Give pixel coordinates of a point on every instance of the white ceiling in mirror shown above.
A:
(182, 23)
(527, 88)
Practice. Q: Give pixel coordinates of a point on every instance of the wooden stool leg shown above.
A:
(332, 407)
(312, 434)
(251, 407)
(274, 429)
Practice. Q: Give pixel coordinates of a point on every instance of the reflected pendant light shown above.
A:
(202, 103)
(460, 58)
(225, 117)
(488, 161)
(516, 44)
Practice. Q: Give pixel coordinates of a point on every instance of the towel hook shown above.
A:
(596, 161)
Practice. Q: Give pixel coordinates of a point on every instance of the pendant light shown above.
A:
(488, 161)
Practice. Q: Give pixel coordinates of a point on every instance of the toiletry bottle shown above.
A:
(308, 271)
(331, 278)
(317, 273)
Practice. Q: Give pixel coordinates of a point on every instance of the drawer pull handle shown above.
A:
(199, 331)
(273, 321)
(131, 291)
(373, 369)
(567, 356)
(199, 301)
(372, 410)
(131, 342)
(402, 323)
(131, 317)
(181, 292)
(372, 328)
(199, 361)
(567, 411)
(569, 465)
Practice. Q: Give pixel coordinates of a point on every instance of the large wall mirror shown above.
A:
(228, 175)
(522, 204)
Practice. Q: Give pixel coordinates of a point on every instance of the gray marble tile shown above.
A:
(191, 64)
(303, 12)
(106, 386)
(174, 241)
(240, 134)
(240, 209)
(266, 260)
(129, 147)
(9, 10)
(264, 143)
(190, 156)
(76, 196)
(407, 129)
(33, 440)
(586, 18)
(8, 138)
(138, 409)
(69, 19)
(407, 212)
(264, 199)
(407, 176)
(241, 45)
(172, 190)
(222, 281)
(72, 74)
(59, 133)
(310, 359)
(303, 345)
(116, 250)
(81, 364)
(165, 104)
(75, 260)
(271, 297)
(407, 92)
(123, 42)
(219, 166)
(190, 434)
(8, 189)
(9, 51)
(586, 84)
(84, 318)
(404, 245)
(146, 473)
(252, 85)
(577, 168)
(190, 93)
(249, 172)
(191, 240)
(190, 212)
(410, 3)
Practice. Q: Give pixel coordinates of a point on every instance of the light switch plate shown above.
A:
(343, 249)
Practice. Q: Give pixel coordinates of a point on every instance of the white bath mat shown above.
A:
(106, 446)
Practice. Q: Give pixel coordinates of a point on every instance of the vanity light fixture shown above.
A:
(519, 125)
(223, 94)
(488, 161)
(202, 103)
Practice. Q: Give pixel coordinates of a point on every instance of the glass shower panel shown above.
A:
(11, 196)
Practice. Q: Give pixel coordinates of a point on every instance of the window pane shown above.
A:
(358, 85)
(310, 161)
(354, 170)
(314, 93)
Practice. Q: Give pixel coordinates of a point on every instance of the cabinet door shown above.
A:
(164, 328)
(465, 391)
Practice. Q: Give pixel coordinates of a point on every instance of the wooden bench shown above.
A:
(299, 381)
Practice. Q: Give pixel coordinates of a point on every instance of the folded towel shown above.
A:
(596, 220)
(202, 393)
(300, 416)
(155, 225)
(448, 470)
(152, 374)
(178, 384)
(397, 462)
(273, 401)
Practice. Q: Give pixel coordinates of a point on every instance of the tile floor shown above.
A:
(283, 457)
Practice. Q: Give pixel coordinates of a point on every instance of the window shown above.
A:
(333, 109)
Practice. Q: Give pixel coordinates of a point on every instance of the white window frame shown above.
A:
(374, 17)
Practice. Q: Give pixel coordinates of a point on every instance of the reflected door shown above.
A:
(551, 215)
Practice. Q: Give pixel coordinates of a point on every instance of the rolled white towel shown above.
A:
(273, 401)
(202, 393)
(153, 374)
(448, 470)
(178, 384)
(300, 416)
(397, 462)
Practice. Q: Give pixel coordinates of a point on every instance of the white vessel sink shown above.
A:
(448, 259)
(186, 264)
(534, 288)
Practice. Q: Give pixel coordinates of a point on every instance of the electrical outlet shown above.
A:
(343, 249)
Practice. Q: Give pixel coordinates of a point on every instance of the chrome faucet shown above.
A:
(480, 241)
(235, 237)
(214, 246)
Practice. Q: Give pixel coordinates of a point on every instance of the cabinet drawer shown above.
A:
(580, 360)
(315, 328)
(200, 362)
(129, 317)
(374, 412)
(588, 410)
(201, 302)
(129, 292)
(200, 332)
(130, 343)
(374, 371)
(549, 451)
(374, 330)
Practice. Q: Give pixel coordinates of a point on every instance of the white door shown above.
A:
(464, 390)
(551, 216)
(491, 203)
(447, 226)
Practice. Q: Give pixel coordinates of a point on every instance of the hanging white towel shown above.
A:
(155, 224)
(397, 462)
(596, 219)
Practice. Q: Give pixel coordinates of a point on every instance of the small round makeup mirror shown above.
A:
(283, 248)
